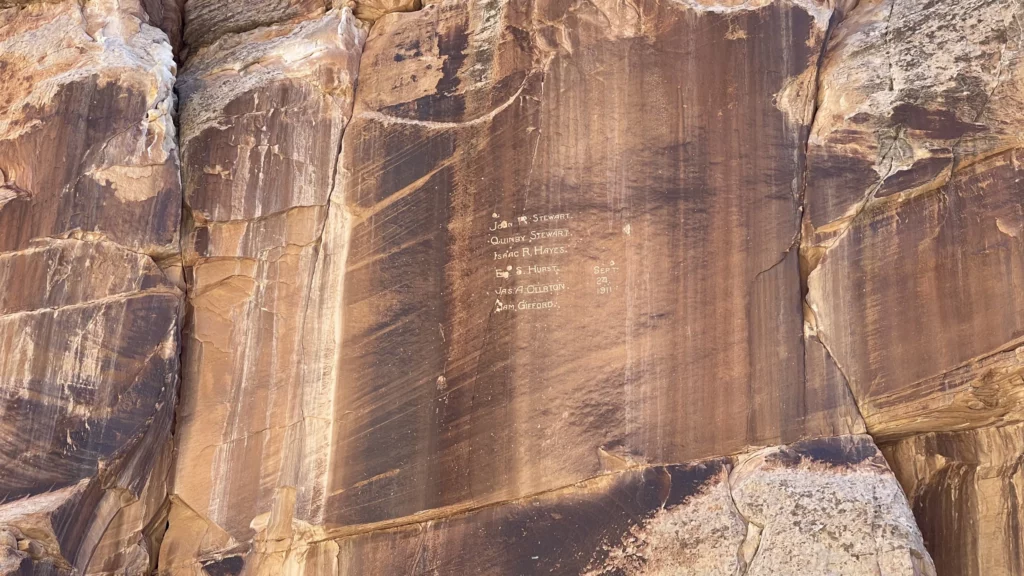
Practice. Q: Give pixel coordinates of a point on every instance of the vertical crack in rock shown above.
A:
(354, 402)
(264, 108)
(809, 255)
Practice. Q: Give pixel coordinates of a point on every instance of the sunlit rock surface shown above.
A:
(89, 286)
(261, 116)
(581, 287)
(553, 256)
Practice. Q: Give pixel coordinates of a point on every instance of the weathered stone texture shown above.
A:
(913, 246)
(908, 92)
(209, 20)
(89, 211)
(914, 218)
(965, 489)
(661, 215)
(583, 287)
(168, 16)
(946, 264)
(726, 516)
(827, 506)
(261, 115)
(87, 145)
(371, 10)
(358, 356)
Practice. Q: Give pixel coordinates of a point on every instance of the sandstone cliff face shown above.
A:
(912, 240)
(90, 293)
(719, 516)
(510, 287)
(262, 114)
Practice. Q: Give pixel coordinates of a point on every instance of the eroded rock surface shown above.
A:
(515, 182)
(582, 287)
(913, 243)
(725, 516)
(89, 295)
(914, 218)
(261, 114)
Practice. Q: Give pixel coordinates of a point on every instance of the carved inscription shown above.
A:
(529, 254)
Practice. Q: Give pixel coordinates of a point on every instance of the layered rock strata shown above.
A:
(89, 286)
(914, 216)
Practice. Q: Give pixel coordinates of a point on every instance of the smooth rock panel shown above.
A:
(371, 10)
(567, 257)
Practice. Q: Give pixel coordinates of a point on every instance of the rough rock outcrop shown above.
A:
(913, 236)
(914, 217)
(89, 286)
(715, 517)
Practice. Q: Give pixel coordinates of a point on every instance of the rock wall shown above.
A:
(90, 287)
(597, 287)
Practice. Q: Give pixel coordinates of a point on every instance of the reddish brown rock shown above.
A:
(261, 120)
(725, 516)
(490, 287)
(907, 94)
(913, 243)
(939, 264)
(965, 489)
(167, 15)
(89, 211)
(648, 307)
(913, 190)
(371, 10)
